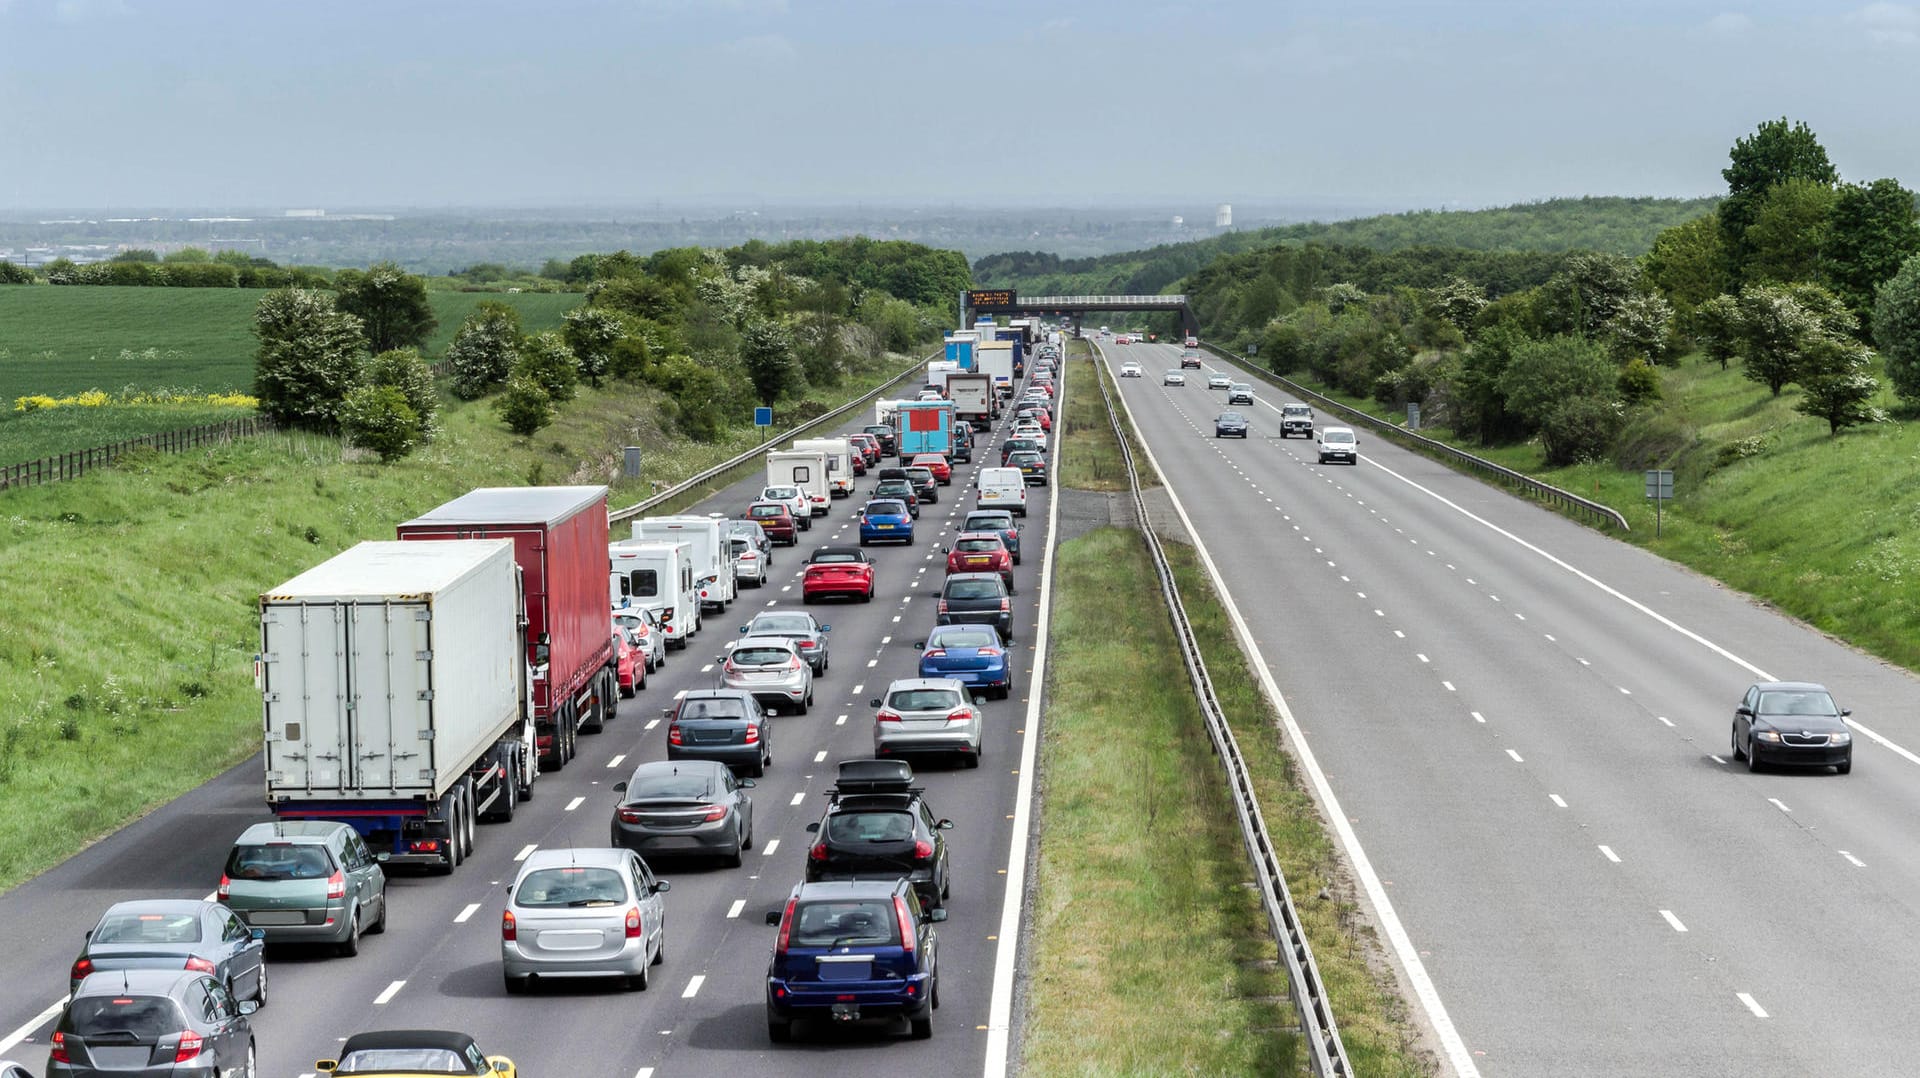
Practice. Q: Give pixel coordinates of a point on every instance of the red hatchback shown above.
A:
(869, 447)
(632, 668)
(935, 463)
(981, 552)
(776, 519)
(838, 570)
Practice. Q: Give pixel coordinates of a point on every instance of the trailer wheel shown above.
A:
(596, 708)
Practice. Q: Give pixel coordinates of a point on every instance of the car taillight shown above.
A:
(935, 653)
(628, 815)
(225, 890)
(794, 664)
(987, 651)
(717, 812)
(786, 928)
(943, 607)
(59, 1046)
(906, 923)
(509, 928)
(818, 853)
(673, 735)
(960, 714)
(81, 969)
(922, 850)
(753, 733)
(887, 714)
(633, 923)
(729, 668)
(808, 644)
(189, 1047)
(200, 964)
(337, 884)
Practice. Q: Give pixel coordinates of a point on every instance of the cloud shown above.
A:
(83, 10)
(1889, 24)
(1729, 24)
(762, 49)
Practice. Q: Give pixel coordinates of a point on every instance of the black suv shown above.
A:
(977, 599)
(129, 1021)
(883, 433)
(924, 484)
(878, 827)
(901, 488)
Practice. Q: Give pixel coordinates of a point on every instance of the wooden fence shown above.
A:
(76, 464)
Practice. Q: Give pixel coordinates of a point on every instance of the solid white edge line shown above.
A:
(1396, 932)
(1013, 907)
(25, 1031)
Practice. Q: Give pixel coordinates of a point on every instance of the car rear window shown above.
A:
(963, 638)
(761, 656)
(924, 700)
(833, 558)
(993, 522)
(854, 828)
(1025, 456)
(826, 924)
(148, 928)
(781, 623)
(886, 509)
(973, 589)
(712, 709)
(403, 1061)
(767, 511)
(279, 861)
(978, 544)
(571, 885)
(922, 474)
(676, 786)
(146, 1018)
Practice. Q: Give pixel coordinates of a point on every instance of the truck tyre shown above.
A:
(596, 718)
(467, 813)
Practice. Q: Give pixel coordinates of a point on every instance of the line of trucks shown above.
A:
(415, 687)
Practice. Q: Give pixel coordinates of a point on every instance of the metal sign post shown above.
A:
(1660, 489)
(1413, 415)
(763, 418)
(632, 461)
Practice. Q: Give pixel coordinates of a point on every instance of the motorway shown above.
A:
(1524, 725)
(438, 964)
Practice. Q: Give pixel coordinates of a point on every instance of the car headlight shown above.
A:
(1840, 737)
(1767, 735)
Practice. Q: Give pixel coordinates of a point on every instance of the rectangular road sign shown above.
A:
(763, 417)
(1660, 485)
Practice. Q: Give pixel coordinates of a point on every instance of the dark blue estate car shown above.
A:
(850, 950)
(885, 521)
(973, 654)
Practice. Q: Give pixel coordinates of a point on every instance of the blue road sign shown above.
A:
(763, 417)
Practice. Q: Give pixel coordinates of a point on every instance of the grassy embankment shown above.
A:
(1143, 913)
(127, 598)
(61, 341)
(1825, 528)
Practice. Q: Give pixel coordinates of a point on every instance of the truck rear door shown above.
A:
(349, 700)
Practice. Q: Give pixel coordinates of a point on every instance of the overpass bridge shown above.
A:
(1007, 301)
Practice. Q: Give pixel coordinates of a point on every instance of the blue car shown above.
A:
(972, 654)
(850, 950)
(885, 520)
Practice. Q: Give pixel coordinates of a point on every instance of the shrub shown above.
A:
(377, 417)
(1580, 429)
(12, 274)
(698, 395)
(310, 355)
(524, 406)
(545, 358)
(405, 370)
(484, 350)
(1638, 382)
(593, 334)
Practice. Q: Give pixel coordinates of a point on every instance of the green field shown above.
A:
(59, 341)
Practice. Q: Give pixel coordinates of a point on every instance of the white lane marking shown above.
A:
(693, 986)
(857, 688)
(707, 669)
(615, 762)
(1558, 800)
(38, 1020)
(1664, 719)
(786, 587)
(1624, 691)
(1715, 759)
(575, 803)
(1421, 657)
(1550, 638)
(841, 721)
(1451, 1043)
(871, 663)
(1522, 617)
(1400, 634)
(1607, 851)
(1852, 860)
(906, 600)
(1777, 803)
(799, 796)
(1379, 613)
(386, 997)
(468, 911)
(734, 910)
(820, 757)
(1583, 662)
(771, 602)
(1674, 921)
(1477, 717)
(1758, 1011)
(772, 845)
(1360, 594)
(886, 640)
(1516, 757)
(526, 851)
(651, 723)
(896, 618)
(1448, 685)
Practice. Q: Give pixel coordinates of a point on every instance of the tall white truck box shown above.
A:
(394, 681)
(973, 399)
(656, 576)
(839, 454)
(712, 555)
(937, 372)
(885, 411)
(806, 469)
(995, 360)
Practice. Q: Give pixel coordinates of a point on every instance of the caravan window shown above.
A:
(802, 474)
(642, 583)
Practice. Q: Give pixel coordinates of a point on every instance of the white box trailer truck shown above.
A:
(657, 576)
(395, 698)
(712, 555)
(995, 360)
(884, 411)
(803, 468)
(973, 399)
(938, 371)
(839, 453)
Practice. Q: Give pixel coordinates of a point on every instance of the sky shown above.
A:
(476, 103)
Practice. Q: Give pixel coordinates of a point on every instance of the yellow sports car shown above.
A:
(410, 1053)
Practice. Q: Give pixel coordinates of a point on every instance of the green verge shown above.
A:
(1150, 953)
(1090, 456)
(128, 599)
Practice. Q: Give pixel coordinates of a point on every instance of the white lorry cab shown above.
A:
(839, 453)
(884, 411)
(806, 469)
(712, 555)
(659, 577)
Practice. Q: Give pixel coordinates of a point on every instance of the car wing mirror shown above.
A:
(383, 856)
(936, 915)
(325, 1066)
(1743, 710)
(773, 917)
(744, 784)
(945, 825)
(620, 787)
(1845, 711)
(814, 827)
(662, 887)
(979, 701)
(826, 628)
(875, 702)
(247, 1006)
(258, 935)
(500, 1066)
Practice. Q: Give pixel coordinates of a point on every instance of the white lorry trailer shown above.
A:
(995, 360)
(839, 453)
(806, 469)
(394, 684)
(711, 554)
(658, 576)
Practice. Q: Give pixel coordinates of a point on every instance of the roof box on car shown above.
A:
(874, 777)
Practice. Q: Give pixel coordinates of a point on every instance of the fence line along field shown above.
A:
(59, 341)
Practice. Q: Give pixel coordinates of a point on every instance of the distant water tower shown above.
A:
(1223, 215)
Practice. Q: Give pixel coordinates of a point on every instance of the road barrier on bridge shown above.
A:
(759, 452)
(1326, 1054)
(1547, 492)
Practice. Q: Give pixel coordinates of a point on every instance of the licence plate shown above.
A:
(883, 527)
(846, 971)
(277, 917)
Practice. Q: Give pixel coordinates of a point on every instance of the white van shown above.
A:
(657, 576)
(806, 469)
(1003, 488)
(712, 555)
(839, 453)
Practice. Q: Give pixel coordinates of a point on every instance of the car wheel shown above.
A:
(660, 953)
(970, 760)
(260, 992)
(805, 704)
(638, 981)
(252, 1070)
(1845, 767)
(350, 946)
(732, 859)
(923, 1027)
(868, 597)
(1737, 753)
(747, 842)
(516, 986)
(863, 540)
(379, 924)
(779, 1032)
(1753, 755)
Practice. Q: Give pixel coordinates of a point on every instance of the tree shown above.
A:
(1896, 329)
(135, 254)
(1541, 376)
(187, 254)
(696, 396)
(310, 355)
(1837, 376)
(1341, 295)
(593, 333)
(767, 350)
(1776, 152)
(1479, 403)
(1716, 325)
(1639, 327)
(390, 302)
(1458, 301)
(523, 406)
(403, 370)
(546, 359)
(484, 349)
(1872, 231)
(1774, 328)
(377, 417)
(1789, 231)
(1687, 262)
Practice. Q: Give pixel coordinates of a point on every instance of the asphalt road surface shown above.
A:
(1526, 726)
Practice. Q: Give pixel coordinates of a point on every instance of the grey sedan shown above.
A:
(684, 806)
(176, 933)
(726, 725)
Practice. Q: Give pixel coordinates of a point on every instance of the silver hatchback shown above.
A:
(928, 715)
(769, 667)
(583, 913)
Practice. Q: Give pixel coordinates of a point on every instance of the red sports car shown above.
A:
(981, 552)
(838, 570)
(935, 463)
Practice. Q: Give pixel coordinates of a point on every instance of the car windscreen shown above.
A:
(977, 544)
(403, 1061)
(141, 1018)
(973, 589)
(1337, 436)
(886, 509)
(279, 861)
(677, 786)
(969, 637)
(148, 928)
(924, 700)
(571, 885)
(827, 924)
(855, 828)
(761, 656)
(712, 709)
(1798, 703)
